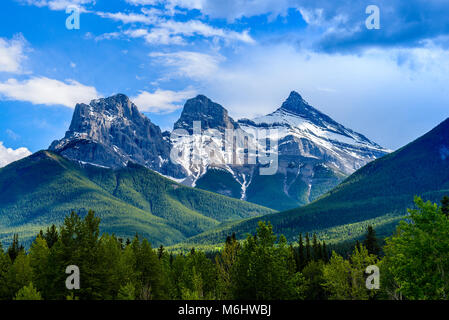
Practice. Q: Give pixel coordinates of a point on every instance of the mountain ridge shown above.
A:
(43, 188)
(315, 153)
(383, 189)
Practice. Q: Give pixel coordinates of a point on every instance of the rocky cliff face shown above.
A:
(110, 132)
(314, 153)
(210, 114)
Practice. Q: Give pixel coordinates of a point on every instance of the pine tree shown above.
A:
(51, 236)
(308, 255)
(14, 248)
(445, 206)
(319, 252)
(371, 241)
(28, 292)
(5, 265)
(160, 252)
(325, 253)
(315, 247)
(301, 258)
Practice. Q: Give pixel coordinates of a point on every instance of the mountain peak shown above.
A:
(212, 115)
(296, 104)
(294, 95)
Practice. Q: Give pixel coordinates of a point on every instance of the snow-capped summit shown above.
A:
(210, 114)
(300, 126)
(314, 153)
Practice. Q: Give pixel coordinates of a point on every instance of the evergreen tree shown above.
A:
(301, 257)
(39, 254)
(445, 206)
(325, 253)
(127, 292)
(371, 241)
(28, 292)
(308, 254)
(225, 263)
(51, 236)
(160, 252)
(315, 247)
(20, 274)
(266, 270)
(14, 248)
(5, 265)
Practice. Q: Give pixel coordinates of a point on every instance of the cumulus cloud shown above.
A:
(42, 90)
(56, 4)
(12, 54)
(189, 64)
(339, 25)
(381, 93)
(142, 2)
(174, 32)
(148, 16)
(8, 155)
(162, 101)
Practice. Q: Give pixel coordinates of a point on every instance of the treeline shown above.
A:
(414, 265)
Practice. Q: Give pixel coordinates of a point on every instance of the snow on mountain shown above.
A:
(310, 152)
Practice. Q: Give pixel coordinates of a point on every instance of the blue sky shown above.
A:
(389, 84)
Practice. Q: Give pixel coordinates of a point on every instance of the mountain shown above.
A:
(211, 151)
(315, 153)
(111, 132)
(211, 114)
(43, 188)
(379, 193)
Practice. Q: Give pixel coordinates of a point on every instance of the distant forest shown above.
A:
(413, 264)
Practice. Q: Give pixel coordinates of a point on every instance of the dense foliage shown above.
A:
(132, 198)
(379, 190)
(413, 265)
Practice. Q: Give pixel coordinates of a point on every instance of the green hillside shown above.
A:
(42, 189)
(378, 193)
(270, 190)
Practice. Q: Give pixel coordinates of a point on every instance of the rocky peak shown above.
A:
(297, 105)
(111, 132)
(211, 114)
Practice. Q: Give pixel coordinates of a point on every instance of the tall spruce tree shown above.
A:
(14, 248)
(315, 247)
(308, 254)
(325, 253)
(445, 206)
(301, 257)
(371, 241)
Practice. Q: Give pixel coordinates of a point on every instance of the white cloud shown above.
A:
(156, 35)
(12, 54)
(234, 9)
(8, 155)
(148, 16)
(189, 64)
(162, 101)
(56, 4)
(381, 93)
(142, 2)
(174, 32)
(196, 27)
(41, 90)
